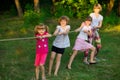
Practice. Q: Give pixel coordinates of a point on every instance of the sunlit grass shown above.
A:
(113, 29)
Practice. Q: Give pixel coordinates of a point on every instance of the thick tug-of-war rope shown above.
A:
(26, 38)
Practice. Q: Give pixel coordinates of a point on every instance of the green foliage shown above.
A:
(13, 11)
(77, 8)
(112, 19)
(28, 7)
(31, 17)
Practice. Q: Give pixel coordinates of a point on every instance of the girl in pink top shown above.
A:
(41, 32)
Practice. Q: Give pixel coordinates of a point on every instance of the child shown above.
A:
(97, 19)
(81, 43)
(60, 43)
(86, 52)
(41, 32)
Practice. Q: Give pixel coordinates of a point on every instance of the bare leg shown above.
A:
(98, 47)
(85, 60)
(72, 58)
(43, 72)
(58, 60)
(51, 62)
(37, 72)
(92, 55)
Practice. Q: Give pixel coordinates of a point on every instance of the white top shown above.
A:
(95, 20)
(62, 41)
(82, 34)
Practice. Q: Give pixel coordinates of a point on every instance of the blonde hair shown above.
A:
(97, 6)
(41, 26)
(63, 18)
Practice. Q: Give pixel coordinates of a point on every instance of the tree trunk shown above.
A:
(19, 9)
(53, 6)
(36, 6)
(119, 8)
(110, 6)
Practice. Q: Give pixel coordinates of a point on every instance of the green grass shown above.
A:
(17, 57)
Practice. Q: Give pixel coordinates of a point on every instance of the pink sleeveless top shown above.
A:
(41, 44)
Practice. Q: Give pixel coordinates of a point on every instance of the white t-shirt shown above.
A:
(82, 34)
(95, 20)
(62, 41)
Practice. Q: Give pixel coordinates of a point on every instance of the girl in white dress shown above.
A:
(60, 43)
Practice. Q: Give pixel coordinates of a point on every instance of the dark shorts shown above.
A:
(58, 50)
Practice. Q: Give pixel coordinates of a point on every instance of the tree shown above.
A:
(119, 8)
(19, 9)
(110, 6)
(36, 6)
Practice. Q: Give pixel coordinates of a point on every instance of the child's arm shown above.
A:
(38, 37)
(47, 35)
(81, 26)
(56, 32)
(66, 32)
(89, 32)
(99, 26)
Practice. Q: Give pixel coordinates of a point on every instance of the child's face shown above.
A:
(96, 10)
(88, 23)
(41, 31)
(63, 22)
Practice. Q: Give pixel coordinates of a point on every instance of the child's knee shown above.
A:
(52, 58)
(37, 67)
(41, 65)
(93, 49)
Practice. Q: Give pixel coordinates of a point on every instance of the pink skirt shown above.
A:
(82, 45)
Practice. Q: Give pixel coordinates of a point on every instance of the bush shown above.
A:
(31, 17)
(74, 8)
(112, 19)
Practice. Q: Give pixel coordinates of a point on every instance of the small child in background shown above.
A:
(60, 43)
(41, 32)
(81, 42)
(96, 24)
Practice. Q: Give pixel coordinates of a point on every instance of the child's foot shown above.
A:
(86, 62)
(55, 74)
(92, 62)
(68, 67)
(43, 78)
(49, 74)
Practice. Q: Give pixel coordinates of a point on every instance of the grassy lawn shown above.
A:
(17, 57)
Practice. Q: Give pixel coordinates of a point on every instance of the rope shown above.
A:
(25, 38)
(13, 39)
